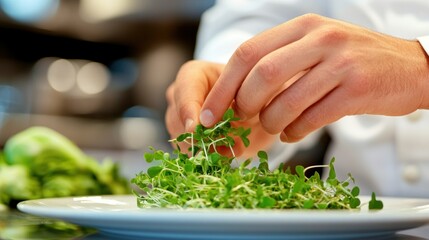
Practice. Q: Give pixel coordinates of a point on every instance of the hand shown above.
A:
(185, 97)
(345, 70)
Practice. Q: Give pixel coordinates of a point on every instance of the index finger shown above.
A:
(244, 58)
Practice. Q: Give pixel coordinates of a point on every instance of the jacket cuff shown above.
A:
(424, 41)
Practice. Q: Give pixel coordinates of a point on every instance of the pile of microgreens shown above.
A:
(203, 178)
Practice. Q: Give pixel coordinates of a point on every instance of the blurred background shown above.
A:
(94, 70)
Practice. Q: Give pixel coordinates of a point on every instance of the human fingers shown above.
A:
(392, 81)
(320, 114)
(290, 109)
(175, 129)
(193, 82)
(272, 73)
(303, 93)
(245, 58)
(172, 120)
(185, 95)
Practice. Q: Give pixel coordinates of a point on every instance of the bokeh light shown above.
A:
(93, 78)
(61, 75)
(29, 10)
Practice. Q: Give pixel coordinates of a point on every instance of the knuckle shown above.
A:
(169, 94)
(169, 119)
(330, 36)
(310, 20)
(188, 65)
(272, 121)
(184, 69)
(191, 65)
(246, 106)
(242, 105)
(267, 70)
(344, 61)
(247, 52)
(342, 64)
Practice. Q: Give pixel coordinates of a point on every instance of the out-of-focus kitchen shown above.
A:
(95, 71)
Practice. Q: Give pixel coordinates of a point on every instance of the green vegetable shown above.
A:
(206, 179)
(32, 146)
(40, 162)
(16, 183)
(374, 203)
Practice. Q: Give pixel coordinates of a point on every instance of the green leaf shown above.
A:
(263, 167)
(189, 167)
(267, 202)
(263, 155)
(230, 141)
(183, 136)
(148, 157)
(298, 186)
(154, 171)
(246, 163)
(308, 204)
(300, 172)
(321, 206)
(332, 173)
(375, 204)
(158, 155)
(354, 202)
(245, 141)
(244, 136)
(214, 158)
(208, 131)
(229, 114)
(355, 191)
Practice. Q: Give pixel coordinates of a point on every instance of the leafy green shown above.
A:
(203, 178)
(374, 203)
(39, 162)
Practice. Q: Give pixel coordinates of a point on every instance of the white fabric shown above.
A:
(388, 155)
(424, 41)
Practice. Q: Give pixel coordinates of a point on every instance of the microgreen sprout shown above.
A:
(204, 178)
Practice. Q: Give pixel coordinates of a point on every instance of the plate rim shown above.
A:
(389, 221)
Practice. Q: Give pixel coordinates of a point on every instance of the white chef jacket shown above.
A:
(387, 155)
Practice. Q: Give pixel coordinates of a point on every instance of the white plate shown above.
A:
(120, 216)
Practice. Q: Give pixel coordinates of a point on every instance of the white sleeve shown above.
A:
(229, 23)
(424, 41)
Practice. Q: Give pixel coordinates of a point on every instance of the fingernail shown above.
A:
(188, 125)
(206, 117)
